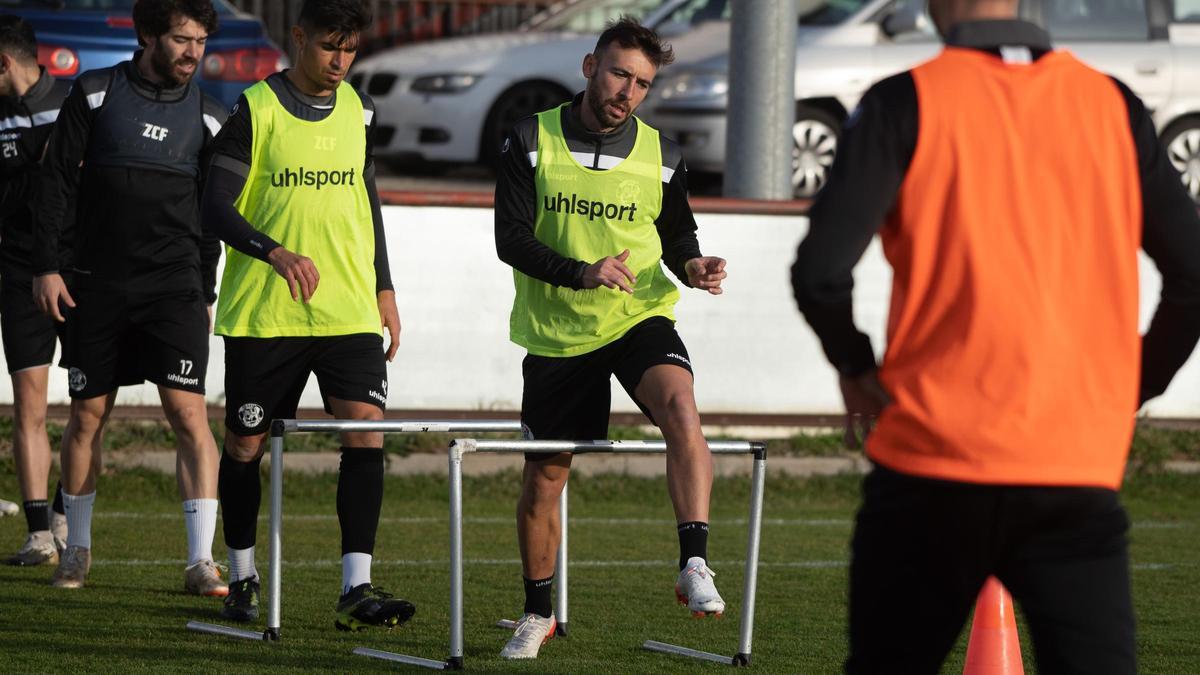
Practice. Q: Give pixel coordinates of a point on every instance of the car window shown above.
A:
(99, 5)
(1187, 11)
(1120, 20)
(828, 12)
(590, 16)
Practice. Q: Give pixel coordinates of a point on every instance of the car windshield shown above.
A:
(587, 16)
(95, 5)
(828, 12)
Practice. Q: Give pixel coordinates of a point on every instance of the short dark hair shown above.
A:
(17, 38)
(341, 18)
(154, 17)
(630, 34)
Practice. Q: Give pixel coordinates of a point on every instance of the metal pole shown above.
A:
(560, 567)
(746, 632)
(455, 661)
(276, 537)
(762, 107)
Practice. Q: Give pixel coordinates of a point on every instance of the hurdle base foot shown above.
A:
(741, 659)
(664, 648)
(561, 630)
(224, 631)
(271, 635)
(454, 663)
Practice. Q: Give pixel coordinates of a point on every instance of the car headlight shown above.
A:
(451, 83)
(694, 86)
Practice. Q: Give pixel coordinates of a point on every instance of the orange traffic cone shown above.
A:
(994, 648)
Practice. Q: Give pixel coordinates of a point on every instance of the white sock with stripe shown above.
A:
(200, 519)
(79, 518)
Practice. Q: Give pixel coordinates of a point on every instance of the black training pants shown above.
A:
(922, 549)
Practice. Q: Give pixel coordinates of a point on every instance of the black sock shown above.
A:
(693, 541)
(537, 596)
(58, 505)
(37, 514)
(359, 498)
(240, 490)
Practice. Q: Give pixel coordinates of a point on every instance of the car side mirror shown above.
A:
(901, 21)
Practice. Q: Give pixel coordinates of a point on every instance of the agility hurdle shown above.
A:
(281, 427)
(462, 447)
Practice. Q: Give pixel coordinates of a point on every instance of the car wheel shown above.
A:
(814, 143)
(1182, 141)
(515, 104)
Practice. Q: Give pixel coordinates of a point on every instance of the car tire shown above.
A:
(1182, 142)
(515, 104)
(815, 137)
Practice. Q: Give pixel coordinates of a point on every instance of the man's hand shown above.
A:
(48, 289)
(706, 273)
(389, 318)
(865, 399)
(300, 272)
(610, 272)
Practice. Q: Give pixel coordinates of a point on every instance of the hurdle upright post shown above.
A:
(455, 662)
(276, 534)
(560, 566)
(750, 587)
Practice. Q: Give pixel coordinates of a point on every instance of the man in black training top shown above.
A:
(29, 102)
(589, 201)
(128, 147)
(293, 177)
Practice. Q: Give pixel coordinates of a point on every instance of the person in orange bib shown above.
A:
(1012, 187)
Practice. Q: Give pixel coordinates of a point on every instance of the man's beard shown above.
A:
(600, 109)
(162, 66)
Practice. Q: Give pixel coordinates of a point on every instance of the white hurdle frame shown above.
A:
(462, 447)
(281, 427)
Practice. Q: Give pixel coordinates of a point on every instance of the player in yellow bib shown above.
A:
(292, 191)
(590, 201)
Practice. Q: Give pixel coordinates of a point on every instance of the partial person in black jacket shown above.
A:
(134, 137)
(29, 102)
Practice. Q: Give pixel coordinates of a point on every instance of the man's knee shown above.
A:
(88, 415)
(543, 483)
(244, 448)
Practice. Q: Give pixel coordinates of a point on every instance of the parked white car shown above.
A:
(453, 100)
(846, 45)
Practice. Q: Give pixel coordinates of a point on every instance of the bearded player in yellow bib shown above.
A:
(589, 201)
(292, 191)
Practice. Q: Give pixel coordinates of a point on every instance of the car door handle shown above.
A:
(1146, 67)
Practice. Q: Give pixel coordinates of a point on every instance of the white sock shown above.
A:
(200, 519)
(241, 564)
(356, 570)
(79, 518)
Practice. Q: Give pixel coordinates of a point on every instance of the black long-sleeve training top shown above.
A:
(516, 198)
(231, 165)
(136, 151)
(876, 150)
(25, 125)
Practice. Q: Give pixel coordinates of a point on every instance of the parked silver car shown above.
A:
(846, 45)
(453, 100)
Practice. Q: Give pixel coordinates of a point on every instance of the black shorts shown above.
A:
(568, 398)
(28, 334)
(115, 339)
(264, 377)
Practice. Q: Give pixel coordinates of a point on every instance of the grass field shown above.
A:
(131, 618)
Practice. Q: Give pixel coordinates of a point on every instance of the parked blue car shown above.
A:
(78, 35)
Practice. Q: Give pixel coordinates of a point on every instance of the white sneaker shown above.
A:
(531, 633)
(8, 508)
(695, 588)
(73, 567)
(38, 550)
(58, 528)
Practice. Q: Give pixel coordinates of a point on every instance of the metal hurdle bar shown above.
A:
(281, 427)
(461, 447)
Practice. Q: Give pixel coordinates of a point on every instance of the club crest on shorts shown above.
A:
(250, 414)
(76, 379)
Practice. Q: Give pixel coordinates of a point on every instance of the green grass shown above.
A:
(131, 617)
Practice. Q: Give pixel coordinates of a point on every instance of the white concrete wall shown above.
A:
(752, 351)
